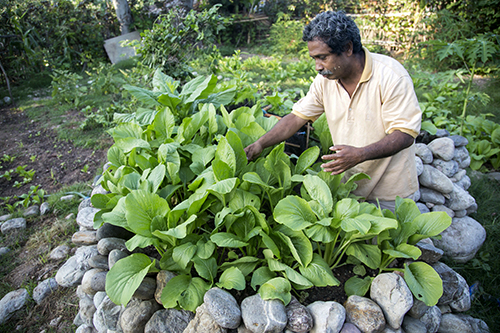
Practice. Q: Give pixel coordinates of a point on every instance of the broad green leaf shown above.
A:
(224, 153)
(125, 276)
(206, 268)
(141, 208)
(294, 212)
(433, 223)
(319, 273)
(319, 191)
(406, 210)
(116, 156)
(179, 232)
(184, 253)
(299, 245)
(99, 200)
(369, 255)
(198, 88)
(242, 199)
(127, 144)
(232, 278)
(130, 181)
(261, 276)
(321, 233)
(141, 242)
(156, 177)
(306, 159)
(254, 178)
(224, 239)
(270, 244)
(291, 274)
(164, 124)
(186, 291)
(424, 282)
(205, 249)
(170, 100)
(276, 288)
(357, 286)
(204, 155)
(164, 83)
(239, 152)
(245, 264)
(346, 208)
(143, 95)
(404, 251)
(355, 224)
(117, 215)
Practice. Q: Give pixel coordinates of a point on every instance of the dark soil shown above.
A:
(56, 163)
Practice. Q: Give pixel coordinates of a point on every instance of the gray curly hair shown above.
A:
(336, 30)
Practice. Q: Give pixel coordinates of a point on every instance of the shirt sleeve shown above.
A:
(311, 106)
(400, 109)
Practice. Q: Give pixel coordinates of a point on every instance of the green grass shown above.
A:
(484, 269)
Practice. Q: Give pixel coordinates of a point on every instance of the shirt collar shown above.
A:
(368, 70)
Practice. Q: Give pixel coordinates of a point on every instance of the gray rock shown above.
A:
(136, 315)
(11, 303)
(420, 165)
(114, 256)
(462, 239)
(365, 314)
(87, 310)
(85, 203)
(418, 309)
(146, 289)
(443, 148)
(99, 297)
(441, 133)
(428, 195)
(84, 328)
(443, 208)
(13, 224)
(78, 321)
(465, 163)
(460, 213)
(107, 315)
(412, 325)
(300, 319)
(393, 296)
(84, 237)
(162, 279)
(5, 217)
(87, 279)
(44, 208)
(422, 208)
(44, 289)
(444, 309)
(327, 316)
(223, 308)
(461, 301)
(108, 230)
(4, 250)
(203, 322)
(464, 182)
(349, 328)
(461, 154)
(451, 283)
(60, 252)
(461, 173)
(106, 245)
(451, 323)
(430, 253)
(68, 197)
(471, 210)
(449, 168)
(425, 154)
(478, 325)
(71, 273)
(99, 261)
(169, 321)
(32, 211)
(85, 218)
(459, 199)
(263, 315)
(459, 141)
(436, 180)
(98, 190)
(432, 319)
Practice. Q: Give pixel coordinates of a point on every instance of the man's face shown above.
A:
(330, 65)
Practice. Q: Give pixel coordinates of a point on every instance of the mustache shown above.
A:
(328, 72)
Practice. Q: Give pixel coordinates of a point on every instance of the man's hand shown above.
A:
(253, 150)
(344, 158)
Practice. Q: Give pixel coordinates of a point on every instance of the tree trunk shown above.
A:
(123, 14)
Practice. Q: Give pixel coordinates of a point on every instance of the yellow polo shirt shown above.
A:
(384, 101)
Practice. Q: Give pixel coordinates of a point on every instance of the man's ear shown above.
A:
(349, 49)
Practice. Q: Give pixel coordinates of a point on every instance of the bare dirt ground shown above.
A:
(57, 164)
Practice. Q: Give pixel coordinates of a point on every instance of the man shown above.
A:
(371, 109)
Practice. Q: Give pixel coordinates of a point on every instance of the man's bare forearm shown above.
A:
(284, 129)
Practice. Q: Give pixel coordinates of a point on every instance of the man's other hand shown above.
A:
(344, 158)
(252, 151)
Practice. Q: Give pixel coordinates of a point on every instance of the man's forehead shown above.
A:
(317, 47)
